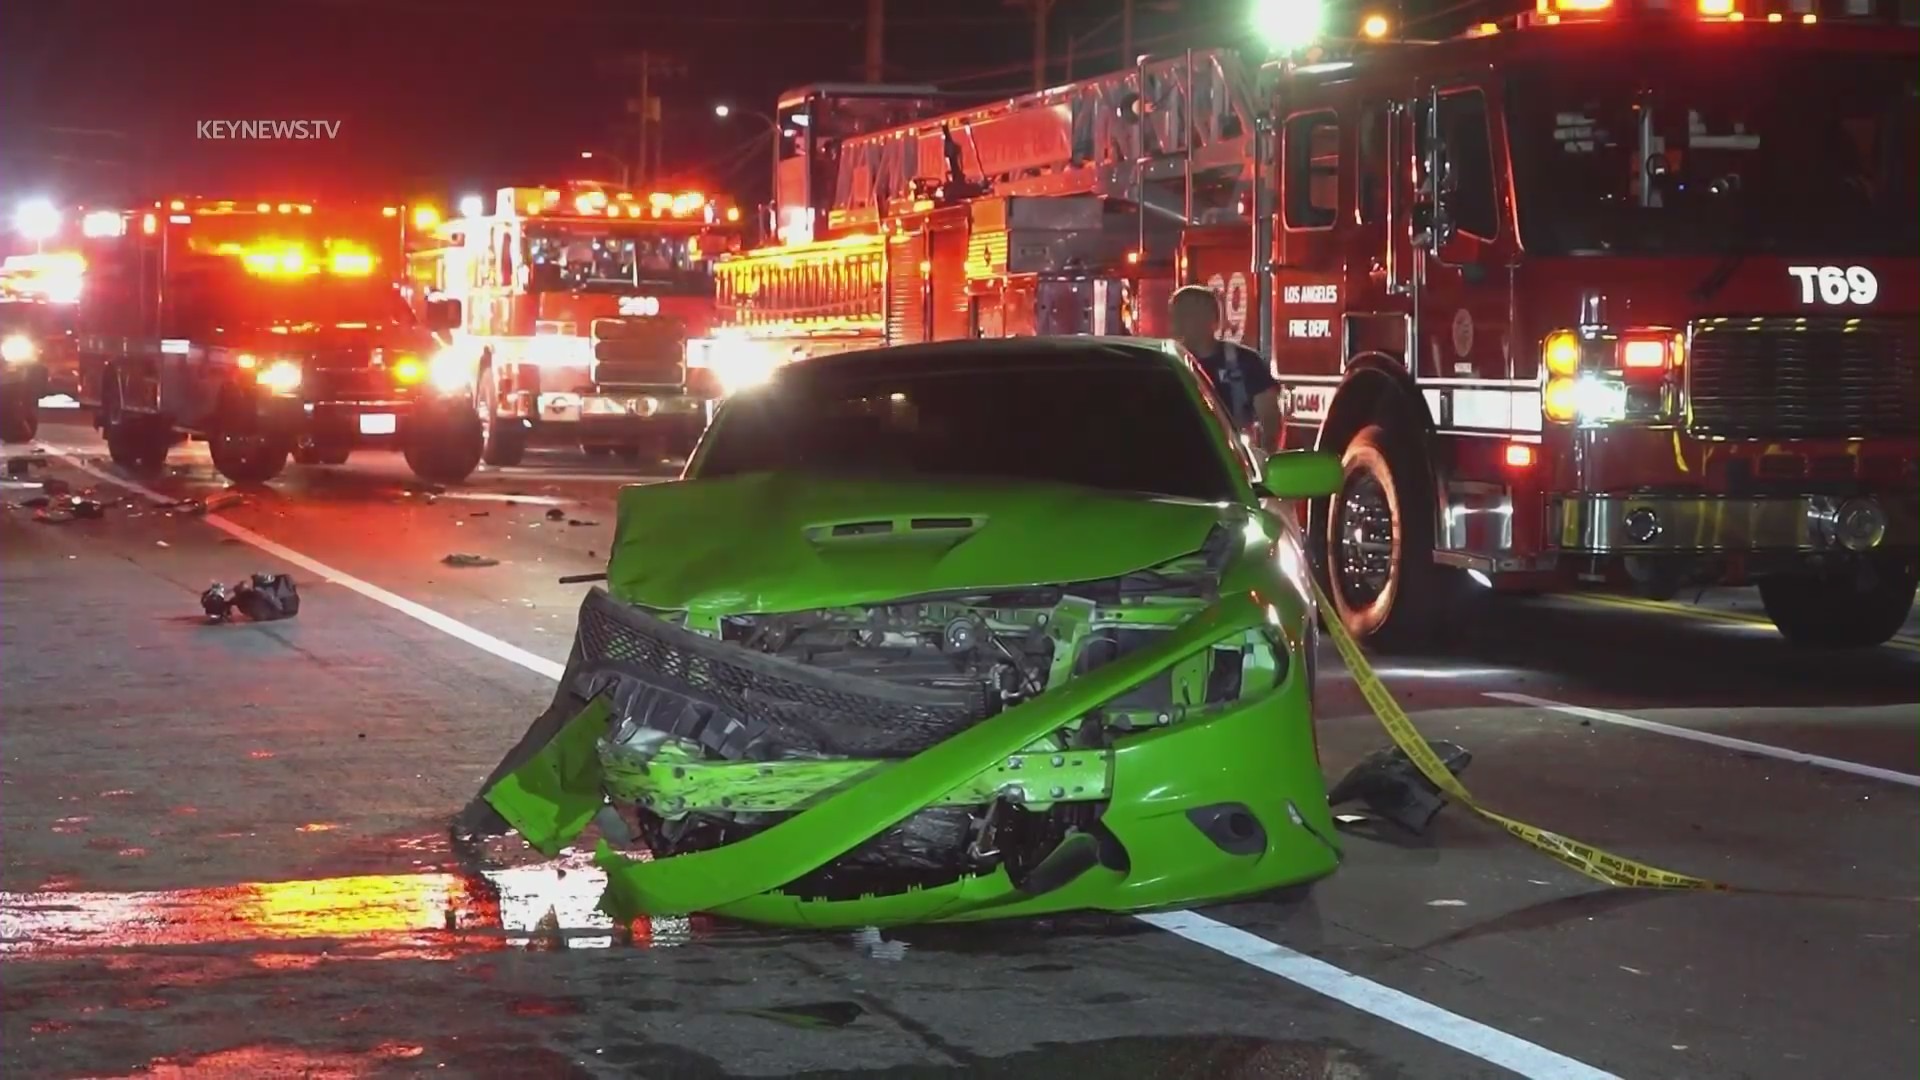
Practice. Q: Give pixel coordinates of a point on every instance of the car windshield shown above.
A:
(1131, 427)
(1780, 151)
(615, 258)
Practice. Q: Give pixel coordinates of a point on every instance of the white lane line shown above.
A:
(479, 639)
(1489, 1044)
(1728, 742)
(1469, 1036)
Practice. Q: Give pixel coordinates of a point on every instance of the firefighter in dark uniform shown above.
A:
(1240, 376)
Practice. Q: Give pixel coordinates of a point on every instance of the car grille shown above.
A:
(1803, 378)
(743, 704)
(638, 352)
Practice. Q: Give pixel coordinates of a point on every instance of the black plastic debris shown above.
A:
(261, 598)
(556, 514)
(461, 558)
(1392, 787)
(577, 522)
(87, 508)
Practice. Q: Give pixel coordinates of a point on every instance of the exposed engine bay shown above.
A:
(720, 731)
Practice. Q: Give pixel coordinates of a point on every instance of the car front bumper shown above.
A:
(1212, 807)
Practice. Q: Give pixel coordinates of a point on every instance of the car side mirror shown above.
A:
(1301, 474)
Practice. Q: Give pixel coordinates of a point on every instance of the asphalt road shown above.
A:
(223, 848)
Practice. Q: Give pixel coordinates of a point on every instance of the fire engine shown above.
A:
(38, 293)
(270, 330)
(1597, 296)
(573, 307)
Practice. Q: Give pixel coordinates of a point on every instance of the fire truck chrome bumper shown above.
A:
(1630, 524)
(561, 408)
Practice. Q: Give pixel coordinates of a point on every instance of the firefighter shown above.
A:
(1241, 376)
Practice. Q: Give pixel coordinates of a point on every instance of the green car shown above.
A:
(945, 632)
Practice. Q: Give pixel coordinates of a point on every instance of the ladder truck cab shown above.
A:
(271, 330)
(572, 307)
(1603, 296)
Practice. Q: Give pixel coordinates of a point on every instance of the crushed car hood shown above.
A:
(768, 543)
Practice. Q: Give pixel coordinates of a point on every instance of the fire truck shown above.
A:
(1606, 295)
(38, 293)
(271, 331)
(573, 307)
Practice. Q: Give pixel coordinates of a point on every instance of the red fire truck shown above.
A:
(574, 306)
(1594, 297)
(269, 330)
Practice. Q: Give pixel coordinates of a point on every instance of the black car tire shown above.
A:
(19, 418)
(1842, 611)
(248, 458)
(503, 439)
(134, 441)
(445, 447)
(1385, 492)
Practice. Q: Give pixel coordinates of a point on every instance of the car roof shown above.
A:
(985, 353)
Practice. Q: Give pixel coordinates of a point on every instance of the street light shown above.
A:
(625, 173)
(1375, 27)
(1285, 25)
(37, 220)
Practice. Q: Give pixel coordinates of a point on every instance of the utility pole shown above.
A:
(649, 68)
(876, 40)
(1041, 9)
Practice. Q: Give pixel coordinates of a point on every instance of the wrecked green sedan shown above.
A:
(945, 632)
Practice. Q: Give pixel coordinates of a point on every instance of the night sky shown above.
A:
(101, 99)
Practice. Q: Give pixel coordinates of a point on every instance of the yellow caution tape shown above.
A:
(1587, 859)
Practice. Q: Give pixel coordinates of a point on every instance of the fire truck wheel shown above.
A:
(1846, 610)
(19, 418)
(446, 449)
(1379, 544)
(248, 459)
(133, 441)
(503, 439)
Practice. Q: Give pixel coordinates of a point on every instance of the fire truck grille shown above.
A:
(1803, 378)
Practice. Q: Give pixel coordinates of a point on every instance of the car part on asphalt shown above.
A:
(461, 558)
(1391, 785)
(261, 598)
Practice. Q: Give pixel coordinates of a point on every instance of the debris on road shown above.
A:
(1393, 787)
(481, 513)
(60, 508)
(581, 579)
(55, 486)
(461, 558)
(556, 514)
(263, 598)
(577, 522)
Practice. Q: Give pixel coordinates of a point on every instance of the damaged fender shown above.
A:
(552, 796)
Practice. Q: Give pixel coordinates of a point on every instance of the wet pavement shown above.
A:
(223, 848)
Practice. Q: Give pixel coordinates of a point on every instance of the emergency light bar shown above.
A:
(1554, 12)
(588, 199)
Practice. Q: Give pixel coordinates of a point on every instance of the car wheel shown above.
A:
(503, 439)
(19, 418)
(134, 441)
(248, 458)
(1379, 544)
(445, 448)
(1859, 608)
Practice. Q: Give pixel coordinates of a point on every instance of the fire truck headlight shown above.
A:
(281, 377)
(1598, 400)
(741, 366)
(18, 349)
(449, 373)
